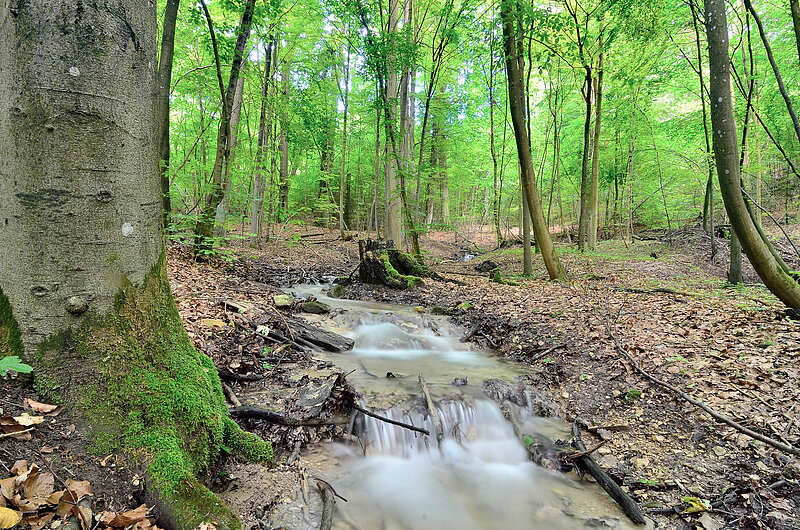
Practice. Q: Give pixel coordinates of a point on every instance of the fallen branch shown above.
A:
(472, 331)
(389, 420)
(437, 421)
(581, 454)
(224, 373)
(230, 395)
(714, 414)
(588, 464)
(547, 352)
(279, 419)
(328, 500)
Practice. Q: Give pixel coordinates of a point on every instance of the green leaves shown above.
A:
(12, 362)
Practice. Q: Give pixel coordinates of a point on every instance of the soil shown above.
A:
(664, 299)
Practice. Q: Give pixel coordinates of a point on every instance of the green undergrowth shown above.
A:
(146, 392)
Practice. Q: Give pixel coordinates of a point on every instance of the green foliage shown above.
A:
(12, 362)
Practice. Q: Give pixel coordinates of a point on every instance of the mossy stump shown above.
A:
(391, 267)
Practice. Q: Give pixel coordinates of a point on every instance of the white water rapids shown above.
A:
(481, 476)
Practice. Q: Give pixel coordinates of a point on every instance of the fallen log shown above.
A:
(587, 464)
(327, 340)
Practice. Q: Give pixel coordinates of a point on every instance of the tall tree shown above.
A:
(726, 156)
(84, 294)
(204, 228)
(512, 39)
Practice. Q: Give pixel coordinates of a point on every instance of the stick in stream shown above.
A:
(588, 464)
(437, 421)
(714, 414)
(389, 420)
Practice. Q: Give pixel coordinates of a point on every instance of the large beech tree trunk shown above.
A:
(516, 96)
(726, 156)
(84, 295)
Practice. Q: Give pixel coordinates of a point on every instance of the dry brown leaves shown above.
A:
(29, 497)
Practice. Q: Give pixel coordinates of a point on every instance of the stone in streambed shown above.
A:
(337, 291)
(315, 307)
(283, 301)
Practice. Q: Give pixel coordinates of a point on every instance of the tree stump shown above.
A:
(381, 264)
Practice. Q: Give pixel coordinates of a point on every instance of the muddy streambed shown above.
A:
(480, 477)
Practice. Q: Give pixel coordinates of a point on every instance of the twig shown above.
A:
(75, 499)
(714, 414)
(437, 421)
(581, 454)
(12, 434)
(279, 419)
(331, 487)
(389, 420)
(548, 351)
(230, 395)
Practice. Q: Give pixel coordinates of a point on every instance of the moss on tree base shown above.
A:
(147, 393)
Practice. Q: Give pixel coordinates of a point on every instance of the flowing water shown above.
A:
(480, 477)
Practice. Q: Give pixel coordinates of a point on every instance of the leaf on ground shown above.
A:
(38, 485)
(7, 488)
(39, 407)
(122, 520)
(26, 420)
(81, 488)
(696, 505)
(9, 518)
(213, 322)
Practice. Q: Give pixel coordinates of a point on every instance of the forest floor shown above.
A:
(664, 301)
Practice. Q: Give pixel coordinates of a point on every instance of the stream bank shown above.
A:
(661, 449)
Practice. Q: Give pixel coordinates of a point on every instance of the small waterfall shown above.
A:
(465, 425)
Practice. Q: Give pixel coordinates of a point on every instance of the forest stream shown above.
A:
(480, 477)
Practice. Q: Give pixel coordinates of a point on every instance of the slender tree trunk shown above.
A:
(283, 144)
(527, 258)
(204, 228)
(164, 85)
(726, 153)
(781, 88)
(84, 294)
(392, 223)
(583, 221)
(516, 96)
(594, 184)
(342, 226)
(221, 213)
(794, 6)
(259, 179)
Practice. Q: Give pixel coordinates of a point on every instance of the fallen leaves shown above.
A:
(29, 497)
(9, 518)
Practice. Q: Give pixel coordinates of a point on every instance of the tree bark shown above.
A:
(583, 220)
(84, 295)
(259, 180)
(204, 228)
(516, 97)
(594, 184)
(164, 85)
(794, 6)
(392, 224)
(727, 160)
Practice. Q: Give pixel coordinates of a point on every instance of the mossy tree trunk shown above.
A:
(84, 295)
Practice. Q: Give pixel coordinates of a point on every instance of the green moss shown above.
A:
(10, 338)
(246, 444)
(147, 392)
(397, 280)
